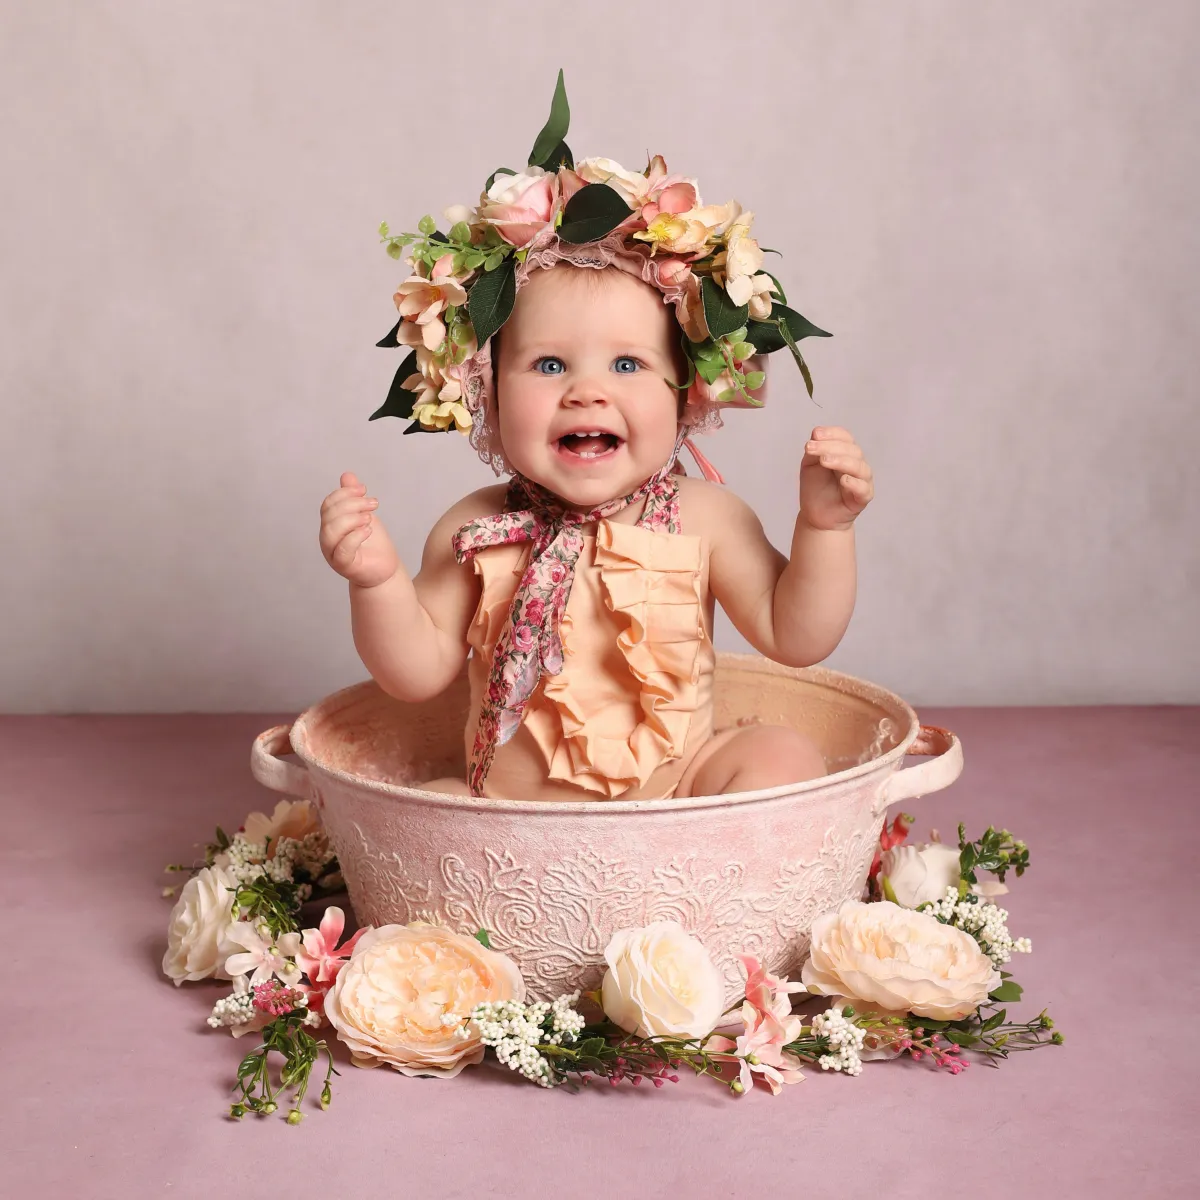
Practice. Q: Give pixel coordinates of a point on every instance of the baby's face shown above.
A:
(585, 356)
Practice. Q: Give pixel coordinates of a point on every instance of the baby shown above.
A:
(587, 610)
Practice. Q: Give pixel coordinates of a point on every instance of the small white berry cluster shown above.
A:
(845, 1041)
(986, 923)
(235, 1009)
(515, 1031)
(247, 861)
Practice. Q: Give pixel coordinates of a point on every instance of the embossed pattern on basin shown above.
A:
(551, 882)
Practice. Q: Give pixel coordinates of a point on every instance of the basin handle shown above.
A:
(273, 772)
(941, 771)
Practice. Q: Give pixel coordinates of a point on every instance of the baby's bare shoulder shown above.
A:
(485, 502)
(712, 510)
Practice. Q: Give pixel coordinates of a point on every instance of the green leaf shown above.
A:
(591, 1048)
(389, 339)
(427, 225)
(594, 210)
(778, 288)
(994, 1020)
(474, 259)
(720, 313)
(248, 1065)
(491, 299)
(1007, 993)
(791, 345)
(560, 156)
(556, 125)
(400, 400)
(767, 337)
(487, 187)
(493, 260)
(755, 380)
(960, 1037)
(222, 838)
(691, 367)
(460, 231)
(394, 249)
(481, 936)
(383, 229)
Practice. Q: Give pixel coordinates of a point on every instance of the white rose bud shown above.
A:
(919, 873)
(661, 983)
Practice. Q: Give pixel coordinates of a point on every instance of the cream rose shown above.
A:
(403, 996)
(197, 935)
(901, 960)
(631, 186)
(919, 873)
(661, 982)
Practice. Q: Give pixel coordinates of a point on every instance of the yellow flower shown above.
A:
(435, 415)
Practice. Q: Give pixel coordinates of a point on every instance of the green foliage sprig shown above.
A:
(286, 1036)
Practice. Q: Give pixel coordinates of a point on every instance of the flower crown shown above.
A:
(595, 213)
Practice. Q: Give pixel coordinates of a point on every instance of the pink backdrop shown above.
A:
(992, 206)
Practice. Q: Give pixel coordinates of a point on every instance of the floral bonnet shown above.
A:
(651, 224)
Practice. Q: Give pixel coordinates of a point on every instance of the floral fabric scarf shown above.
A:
(529, 644)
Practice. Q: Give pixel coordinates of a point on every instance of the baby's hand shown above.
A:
(835, 480)
(346, 524)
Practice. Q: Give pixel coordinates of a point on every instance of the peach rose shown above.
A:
(661, 982)
(406, 991)
(901, 960)
(291, 819)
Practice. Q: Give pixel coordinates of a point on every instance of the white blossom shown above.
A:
(515, 1030)
(845, 1041)
(986, 923)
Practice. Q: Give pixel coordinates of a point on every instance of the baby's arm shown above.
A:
(795, 611)
(410, 633)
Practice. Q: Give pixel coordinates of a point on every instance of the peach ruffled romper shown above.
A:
(633, 702)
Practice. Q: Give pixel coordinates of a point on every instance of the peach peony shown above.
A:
(901, 960)
(406, 991)
(291, 819)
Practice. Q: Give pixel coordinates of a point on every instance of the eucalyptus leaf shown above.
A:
(594, 210)
(720, 313)
(556, 125)
(481, 936)
(491, 299)
(400, 400)
(389, 340)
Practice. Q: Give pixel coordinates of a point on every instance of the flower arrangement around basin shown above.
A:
(912, 970)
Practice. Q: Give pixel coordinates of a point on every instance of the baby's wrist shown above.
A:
(803, 521)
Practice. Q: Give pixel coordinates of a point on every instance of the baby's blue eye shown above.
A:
(549, 361)
(619, 365)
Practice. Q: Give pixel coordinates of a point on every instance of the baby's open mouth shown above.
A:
(596, 444)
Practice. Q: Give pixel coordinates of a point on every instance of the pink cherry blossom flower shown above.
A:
(320, 957)
(263, 957)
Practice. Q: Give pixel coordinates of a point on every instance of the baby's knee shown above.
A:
(790, 755)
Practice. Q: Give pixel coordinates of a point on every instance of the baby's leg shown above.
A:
(744, 760)
(456, 787)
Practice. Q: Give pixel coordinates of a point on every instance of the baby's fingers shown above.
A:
(335, 529)
(344, 552)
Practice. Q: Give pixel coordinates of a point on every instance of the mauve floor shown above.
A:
(113, 1085)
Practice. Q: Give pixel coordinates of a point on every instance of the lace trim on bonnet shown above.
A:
(703, 412)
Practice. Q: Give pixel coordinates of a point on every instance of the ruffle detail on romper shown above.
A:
(653, 580)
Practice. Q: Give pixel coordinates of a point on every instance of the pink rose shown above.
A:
(557, 572)
(520, 206)
(523, 638)
(535, 611)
